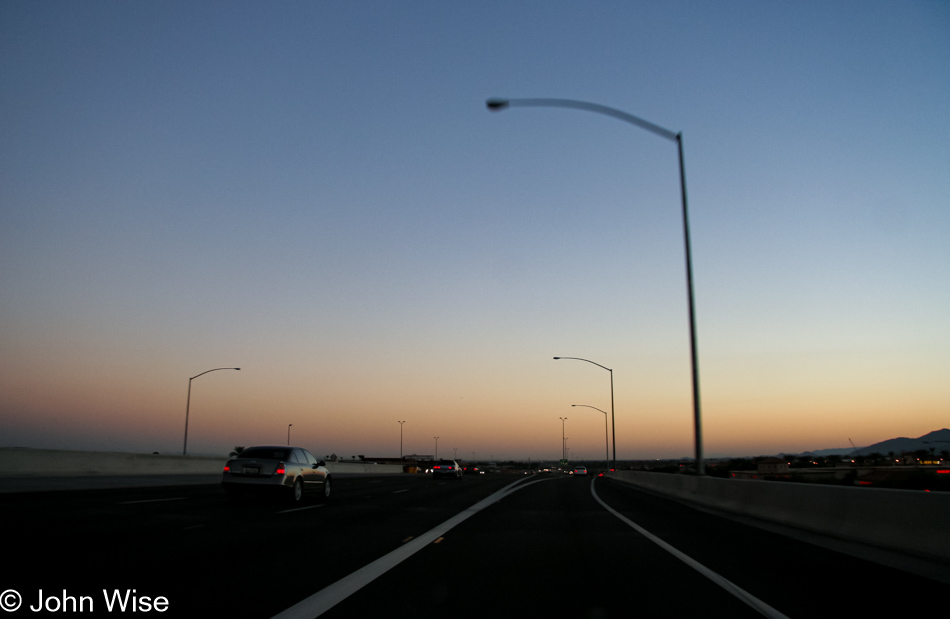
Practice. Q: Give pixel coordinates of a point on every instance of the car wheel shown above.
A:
(296, 495)
(326, 489)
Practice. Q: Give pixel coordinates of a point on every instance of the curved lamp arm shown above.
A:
(497, 105)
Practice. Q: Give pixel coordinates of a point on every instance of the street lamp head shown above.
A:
(557, 357)
(237, 368)
(497, 105)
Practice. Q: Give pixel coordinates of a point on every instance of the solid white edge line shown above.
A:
(331, 595)
(740, 593)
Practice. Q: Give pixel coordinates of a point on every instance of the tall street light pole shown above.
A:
(400, 438)
(613, 420)
(289, 425)
(563, 443)
(497, 105)
(606, 448)
(436, 447)
(184, 450)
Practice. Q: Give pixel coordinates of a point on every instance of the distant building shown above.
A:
(771, 466)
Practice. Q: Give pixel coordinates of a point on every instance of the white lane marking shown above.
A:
(403, 490)
(297, 509)
(526, 484)
(328, 597)
(742, 594)
(177, 498)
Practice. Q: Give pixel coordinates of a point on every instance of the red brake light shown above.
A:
(437, 467)
(280, 469)
(227, 467)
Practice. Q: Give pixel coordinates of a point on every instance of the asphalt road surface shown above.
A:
(410, 546)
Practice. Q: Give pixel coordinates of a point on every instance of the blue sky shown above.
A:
(315, 192)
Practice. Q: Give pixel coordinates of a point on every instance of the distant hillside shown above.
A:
(938, 440)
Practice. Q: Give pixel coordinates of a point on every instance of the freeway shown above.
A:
(405, 546)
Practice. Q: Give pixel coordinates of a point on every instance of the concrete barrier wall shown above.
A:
(16, 461)
(364, 468)
(907, 521)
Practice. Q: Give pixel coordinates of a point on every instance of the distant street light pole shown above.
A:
(497, 105)
(288, 433)
(563, 443)
(606, 444)
(436, 447)
(613, 421)
(400, 438)
(184, 450)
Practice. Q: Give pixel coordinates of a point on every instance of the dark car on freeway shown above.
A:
(446, 468)
(290, 472)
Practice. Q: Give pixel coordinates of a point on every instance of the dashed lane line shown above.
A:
(328, 597)
(177, 498)
(298, 509)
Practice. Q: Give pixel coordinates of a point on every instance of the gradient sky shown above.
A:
(314, 192)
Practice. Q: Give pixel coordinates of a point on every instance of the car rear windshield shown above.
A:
(266, 453)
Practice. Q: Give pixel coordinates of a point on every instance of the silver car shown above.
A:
(292, 472)
(446, 468)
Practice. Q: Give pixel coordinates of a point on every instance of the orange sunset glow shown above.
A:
(334, 211)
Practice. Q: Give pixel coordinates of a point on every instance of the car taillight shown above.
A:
(437, 467)
(280, 469)
(227, 467)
